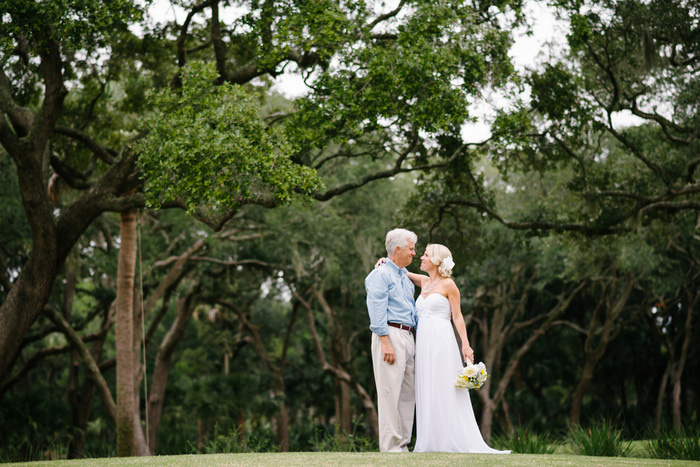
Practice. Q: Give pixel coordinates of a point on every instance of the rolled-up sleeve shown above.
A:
(377, 302)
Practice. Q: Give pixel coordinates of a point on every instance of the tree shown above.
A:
(629, 58)
(434, 57)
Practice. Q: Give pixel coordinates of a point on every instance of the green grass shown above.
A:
(638, 448)
(368, 458)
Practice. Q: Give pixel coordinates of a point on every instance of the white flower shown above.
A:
(473, 376)
(448, 263)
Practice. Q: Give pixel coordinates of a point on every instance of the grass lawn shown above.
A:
(638, 448)
(367, 458)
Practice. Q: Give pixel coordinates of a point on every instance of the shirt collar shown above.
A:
(394, 267)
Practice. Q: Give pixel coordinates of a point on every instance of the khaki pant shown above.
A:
(396, 399)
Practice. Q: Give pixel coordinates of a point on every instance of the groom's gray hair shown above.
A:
(398, 238)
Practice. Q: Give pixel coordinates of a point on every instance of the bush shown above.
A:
(222, 442)
(672, 444)
(337, 441)
(526, 441)
(600, 439)
(25, 451)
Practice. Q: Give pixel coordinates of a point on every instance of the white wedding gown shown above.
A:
(444, 415)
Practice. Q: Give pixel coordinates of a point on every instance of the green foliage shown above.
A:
(555, 93)
(77, 23)
(335, 440)
(599, 439)
(527, 441)
(669, 443)
(419, 77)
(25, 451)
(232, 441)
(207, 146)
(373, 91)
(15, 237)
(43, 435)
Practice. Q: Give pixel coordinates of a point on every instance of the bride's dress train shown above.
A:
(444, 415)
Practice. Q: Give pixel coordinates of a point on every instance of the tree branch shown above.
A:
(105, 154)
(386, 16)
(638, 154)
(51, 67)
(180, 45)
(671, 206)
(328, 194)
(21, 118)
(70, 175)
(40, 354)
(219, 48)
(86, 356)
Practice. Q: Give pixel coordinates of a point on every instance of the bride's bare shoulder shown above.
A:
(450, 284)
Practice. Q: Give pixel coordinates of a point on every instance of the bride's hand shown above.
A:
(468, 354)
(380, 261)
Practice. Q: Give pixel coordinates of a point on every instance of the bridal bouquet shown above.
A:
(472, 376)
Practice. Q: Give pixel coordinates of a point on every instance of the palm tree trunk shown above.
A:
(126, 410)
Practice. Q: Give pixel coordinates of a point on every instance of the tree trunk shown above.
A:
(581, 390)
(486, 424)
(282, 415)
(24, 303)
(281, 422)
(201, 434)
(611, 308)
(126, 410)
(677, 372)
(76, 449)
(660, 400)
(52, 240)
(161, 369)
(74, 397)
(370, 411)
(241, 425)
(345, 407)
(341, 374)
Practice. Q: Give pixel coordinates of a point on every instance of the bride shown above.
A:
(444, 416)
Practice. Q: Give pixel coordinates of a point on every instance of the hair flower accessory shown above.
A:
(448, 263)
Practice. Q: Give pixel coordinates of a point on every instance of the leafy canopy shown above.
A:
(206, 145)
(76, 22)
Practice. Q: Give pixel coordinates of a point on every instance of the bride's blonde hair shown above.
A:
(437, 254)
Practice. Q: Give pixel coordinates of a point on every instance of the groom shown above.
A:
(392, 314)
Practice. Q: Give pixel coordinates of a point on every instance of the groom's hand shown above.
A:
(387, 350)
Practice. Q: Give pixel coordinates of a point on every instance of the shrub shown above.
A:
(525, 441)
(336, 440)
(222, 442)
(599, 439)
(25, 451)
(673, 444)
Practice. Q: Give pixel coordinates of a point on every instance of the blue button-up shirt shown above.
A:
(389, 298)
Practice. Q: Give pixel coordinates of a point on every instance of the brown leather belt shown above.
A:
(405, 327)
